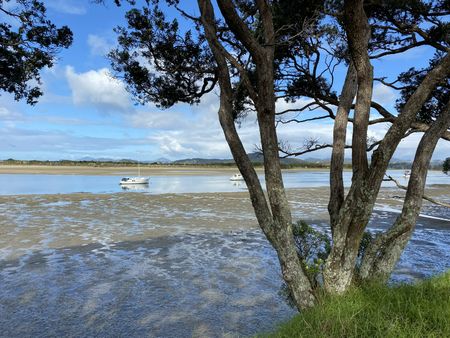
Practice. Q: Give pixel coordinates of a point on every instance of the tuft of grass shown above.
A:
(419, 310)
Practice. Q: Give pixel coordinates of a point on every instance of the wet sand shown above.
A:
(36, 222)
(170, 265)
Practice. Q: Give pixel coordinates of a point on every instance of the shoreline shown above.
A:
(156, 170)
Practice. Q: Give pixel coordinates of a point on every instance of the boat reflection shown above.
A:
(134, 187)
(239, 184)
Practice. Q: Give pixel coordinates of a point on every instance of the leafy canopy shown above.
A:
(28, 43)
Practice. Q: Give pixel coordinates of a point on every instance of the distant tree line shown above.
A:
(446, 165)
(133, 163)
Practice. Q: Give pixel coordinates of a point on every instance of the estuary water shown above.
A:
(184, 257)
(18, 184)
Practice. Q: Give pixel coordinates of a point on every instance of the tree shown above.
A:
(446, 165)
(258, 52)
(28, 43)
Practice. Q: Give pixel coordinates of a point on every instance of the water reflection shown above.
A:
(66, 184)
(239, 184)
(135, 187)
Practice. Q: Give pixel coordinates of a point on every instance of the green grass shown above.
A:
(420, 310)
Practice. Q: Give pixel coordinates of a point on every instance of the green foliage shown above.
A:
(410, 13)
(446, 165)
(313, 247)
(421, 310)
(160, 63)
(27, 46)
(412, 78)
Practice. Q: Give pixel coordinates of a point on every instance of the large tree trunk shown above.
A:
(384, 252)
(280, 232)
(353, 217)
(274, 215)
(348, 222)
(348, 225)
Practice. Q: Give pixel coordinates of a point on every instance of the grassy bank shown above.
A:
(420, 310)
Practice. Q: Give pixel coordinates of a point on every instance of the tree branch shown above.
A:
(425, 197)
(399, 50)
(358, 33)
(239, 28)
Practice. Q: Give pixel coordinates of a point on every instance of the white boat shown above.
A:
(236, 177)
(134, 180)
(407, 173)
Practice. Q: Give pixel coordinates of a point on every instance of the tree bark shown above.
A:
(353, 215)
(275, 221)
(385, 251)
(358, 34)
(339, 138)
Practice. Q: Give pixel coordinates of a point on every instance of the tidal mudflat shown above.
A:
(170, 265)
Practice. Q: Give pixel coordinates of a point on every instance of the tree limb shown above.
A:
(425, 197)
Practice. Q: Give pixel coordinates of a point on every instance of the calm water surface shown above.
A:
(17, 184)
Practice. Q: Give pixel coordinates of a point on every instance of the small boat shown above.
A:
(406, 173)
(134, 180)
(236, 177)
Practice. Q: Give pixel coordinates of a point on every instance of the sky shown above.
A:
(86, 113)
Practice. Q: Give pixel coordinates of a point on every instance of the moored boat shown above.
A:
(134, 180)
(236, 177)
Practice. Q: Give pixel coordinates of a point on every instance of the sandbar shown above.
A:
(153, 170)
(100, 170)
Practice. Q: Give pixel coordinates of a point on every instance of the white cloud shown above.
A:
(170, 145)
(198, 142)
(188, 131)
(282, 105)
(384, 95)
(58, 144)
(99, 45)
(66, 6)
(200, 135)
(158, 119)
(99, 89)
(9, 115)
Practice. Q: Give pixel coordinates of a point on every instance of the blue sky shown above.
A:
(86, 113)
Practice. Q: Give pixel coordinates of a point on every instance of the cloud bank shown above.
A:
(99, 89)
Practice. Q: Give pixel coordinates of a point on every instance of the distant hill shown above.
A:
(197, 160)
(256, 158)
(162, 160)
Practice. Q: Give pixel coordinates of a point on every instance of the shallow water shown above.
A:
(172, 265)
(16, 184)
(196, 285)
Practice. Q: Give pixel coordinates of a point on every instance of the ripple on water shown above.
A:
(172, 286)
